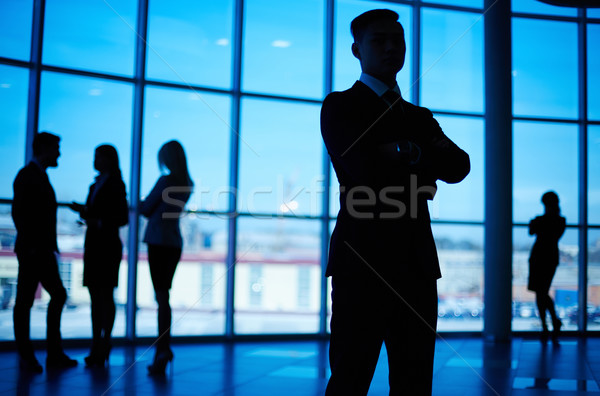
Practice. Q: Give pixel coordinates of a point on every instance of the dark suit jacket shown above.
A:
(34, 212)
(105, 212)
(356, 125)
(163, 207)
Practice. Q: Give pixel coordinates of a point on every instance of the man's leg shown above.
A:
(410, 338)
(27, 283)
(356, 338)
(51, 281)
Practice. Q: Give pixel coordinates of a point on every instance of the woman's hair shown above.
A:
(550, 201)
(109, 153)
(172, 157)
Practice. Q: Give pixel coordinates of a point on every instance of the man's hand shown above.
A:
(76, 207)
(404, 151)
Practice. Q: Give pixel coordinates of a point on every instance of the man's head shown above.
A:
(46, 149)
(379, 44)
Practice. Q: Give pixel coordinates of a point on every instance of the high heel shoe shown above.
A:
(556, 325)
(161, 359)
(98, 356)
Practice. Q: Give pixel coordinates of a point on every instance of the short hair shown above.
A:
(43, 141)
(361, 22)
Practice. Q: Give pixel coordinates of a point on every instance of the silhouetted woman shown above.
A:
(104, 212)
(544, 259)
(164, 239)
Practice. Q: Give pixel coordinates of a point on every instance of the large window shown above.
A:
(452, 61)
(92, 35)
(545, 68)
(593, 53)
(189, 42)
(13, 118)
(15, 29)
(85, 112)
(199, 121)
(283, 47)
(278, 276)
(460, 290)
(280, 167)
(545, 158)
(548, 85)
(249, 123)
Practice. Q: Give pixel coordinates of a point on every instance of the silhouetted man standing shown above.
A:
(34, 213)
(387, 155)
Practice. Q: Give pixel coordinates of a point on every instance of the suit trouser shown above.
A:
(366, 314)
(35, 269)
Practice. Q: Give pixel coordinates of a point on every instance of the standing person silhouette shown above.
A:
(34, 214)
(163, 207)
(104, 212)
(544, 259)
(387, 155)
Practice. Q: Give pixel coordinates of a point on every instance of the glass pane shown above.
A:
(544, 158)
(278, 276)
(463, 201)
(594, 175)
(14, 83)
(84, 112)
(200, 121)
(280, 160)
(564, 286)
(76, 314)
(452, 61)
(15, 29)
(593, 53)
(197, 296)
(593, 12)
(283, 47)
(346, 66)
(8, 274)
(537, 7)
(544, 68)
(593, 290)
(190, 42)
(91, 35)
(463, 3)
(460, 290)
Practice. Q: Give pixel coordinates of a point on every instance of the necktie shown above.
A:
(392, 99)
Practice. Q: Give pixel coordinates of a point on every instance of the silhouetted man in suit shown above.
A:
(387, 155)
(34, 214)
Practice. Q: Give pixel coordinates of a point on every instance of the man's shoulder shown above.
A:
(357, 94)
(29, 171)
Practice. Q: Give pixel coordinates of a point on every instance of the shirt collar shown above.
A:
(377, 86)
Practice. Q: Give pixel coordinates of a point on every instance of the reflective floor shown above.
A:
(463, 366)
